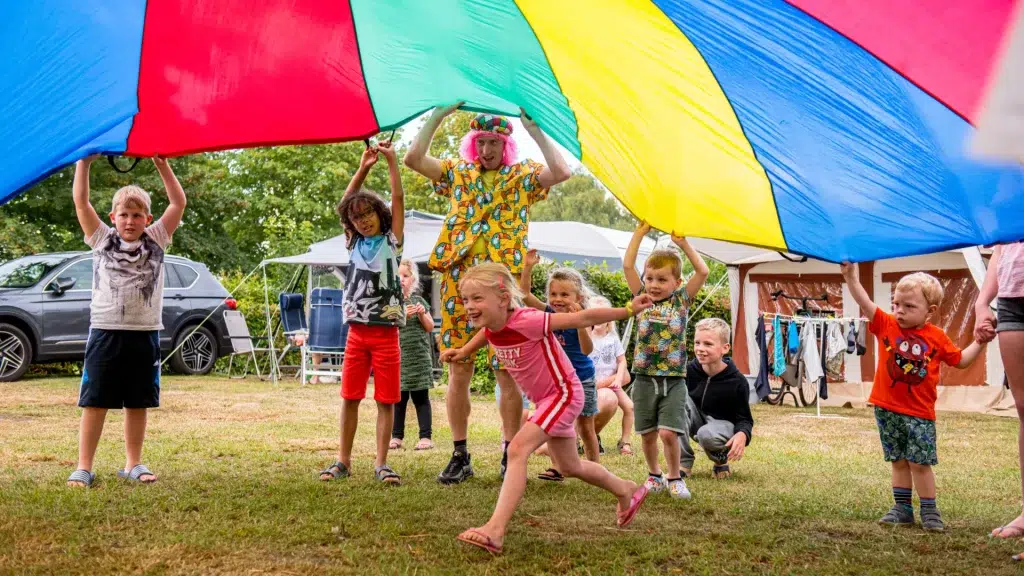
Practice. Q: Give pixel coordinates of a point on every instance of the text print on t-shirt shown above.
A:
(508, 356)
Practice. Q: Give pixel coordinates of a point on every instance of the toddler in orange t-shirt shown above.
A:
(910, 352)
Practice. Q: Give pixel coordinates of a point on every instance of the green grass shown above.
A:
(238, 494)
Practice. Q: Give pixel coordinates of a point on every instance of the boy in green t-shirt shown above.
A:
(659, 360)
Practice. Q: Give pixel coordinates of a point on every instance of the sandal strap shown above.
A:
(139, 471)
(339, 466)
(384, 472)
(83, 476)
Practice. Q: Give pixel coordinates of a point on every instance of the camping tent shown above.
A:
(755, 273)
(574, 242)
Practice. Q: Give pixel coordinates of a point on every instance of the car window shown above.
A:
(25, 272)
(171, 279)
(186, 274)
(81, 272)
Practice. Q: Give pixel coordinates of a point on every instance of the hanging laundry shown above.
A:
(835, 348)
(778, 358)
(809, 353)
(851, 338)
(761, 384)
(862, 335)
(793, 338)
(823, 381)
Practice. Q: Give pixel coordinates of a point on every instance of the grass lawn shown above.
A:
(238, 493)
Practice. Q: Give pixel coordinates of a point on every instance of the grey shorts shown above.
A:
(589, 398)
(659, 403)
(1010, 312)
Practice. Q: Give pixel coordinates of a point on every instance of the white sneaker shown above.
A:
(655, 483)
(678, 489)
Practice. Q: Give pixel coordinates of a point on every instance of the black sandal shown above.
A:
(721, 472)
(388, 476)
(335, 471)
(551, 475)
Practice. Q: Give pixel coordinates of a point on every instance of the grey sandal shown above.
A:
(388, 476)
(335, 471)
(136, 474)
(83, 476)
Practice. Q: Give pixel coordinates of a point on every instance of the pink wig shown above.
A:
(467, 148)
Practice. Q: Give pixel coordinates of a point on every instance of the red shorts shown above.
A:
(372, 347)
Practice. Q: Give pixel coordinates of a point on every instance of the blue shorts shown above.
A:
(589, 398)
(122, 369)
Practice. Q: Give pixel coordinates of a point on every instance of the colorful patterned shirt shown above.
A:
(499, 214)
(373, 291)
(661, 337)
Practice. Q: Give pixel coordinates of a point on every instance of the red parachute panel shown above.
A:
(218, 72)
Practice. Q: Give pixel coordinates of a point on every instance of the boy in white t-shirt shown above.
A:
(122, 356)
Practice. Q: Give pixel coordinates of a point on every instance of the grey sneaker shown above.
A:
(898, 516)
(931, 521)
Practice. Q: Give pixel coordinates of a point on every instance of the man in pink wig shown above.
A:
(489, 195)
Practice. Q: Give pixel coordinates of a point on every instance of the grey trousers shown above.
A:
(710, 434)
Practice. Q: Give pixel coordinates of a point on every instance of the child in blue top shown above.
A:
(568, 293)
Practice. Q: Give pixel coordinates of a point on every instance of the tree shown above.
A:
(582, 199)
(46, 212)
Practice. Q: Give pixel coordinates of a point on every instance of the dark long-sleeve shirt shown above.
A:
(724, 396)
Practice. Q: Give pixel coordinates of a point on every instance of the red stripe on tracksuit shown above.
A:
(556, 409)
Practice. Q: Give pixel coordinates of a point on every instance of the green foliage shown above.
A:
(582, 199)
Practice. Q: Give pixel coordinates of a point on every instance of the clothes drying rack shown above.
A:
(800, 373)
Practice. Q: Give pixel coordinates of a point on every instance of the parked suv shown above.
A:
(44, 312)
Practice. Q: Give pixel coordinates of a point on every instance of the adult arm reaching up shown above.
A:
(556, 170)
(416, 157)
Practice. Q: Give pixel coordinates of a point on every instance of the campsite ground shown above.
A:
(238, 494)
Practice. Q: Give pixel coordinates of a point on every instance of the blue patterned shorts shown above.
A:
(907, 437)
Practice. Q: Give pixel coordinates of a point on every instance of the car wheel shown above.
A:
(15, 353)
(196, 351)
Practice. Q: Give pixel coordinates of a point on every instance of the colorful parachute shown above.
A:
(831, 128)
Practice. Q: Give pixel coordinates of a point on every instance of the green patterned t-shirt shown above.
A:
(661, 337)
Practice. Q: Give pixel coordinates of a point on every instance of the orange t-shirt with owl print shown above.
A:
(907, 375)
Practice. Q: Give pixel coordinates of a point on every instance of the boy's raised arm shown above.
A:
(88, 219)
(397, 193)
(852, 276)
(629, 260)
(700, 267)
(175, 196)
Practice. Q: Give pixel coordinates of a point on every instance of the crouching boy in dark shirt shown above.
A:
(718, 405)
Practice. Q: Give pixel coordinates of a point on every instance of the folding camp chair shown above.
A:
(327, 334)
(293, 325)
(243, 343)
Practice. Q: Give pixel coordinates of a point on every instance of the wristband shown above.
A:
(629, 309)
